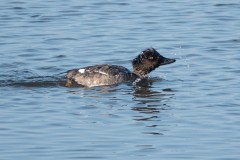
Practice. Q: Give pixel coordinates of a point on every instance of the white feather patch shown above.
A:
(81, 70)
(102, 72)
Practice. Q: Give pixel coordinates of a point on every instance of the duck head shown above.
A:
(147, 61)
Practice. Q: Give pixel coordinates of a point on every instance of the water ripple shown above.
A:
(187, 110)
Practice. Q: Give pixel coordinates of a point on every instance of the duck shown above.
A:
(108, 74)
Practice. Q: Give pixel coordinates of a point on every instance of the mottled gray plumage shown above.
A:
(99, 75)
(105, 74)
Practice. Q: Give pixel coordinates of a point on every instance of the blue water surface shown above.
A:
(186, 110)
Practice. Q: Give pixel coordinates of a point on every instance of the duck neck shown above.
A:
(139, 74)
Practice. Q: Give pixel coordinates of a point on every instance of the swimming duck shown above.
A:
(106, 74)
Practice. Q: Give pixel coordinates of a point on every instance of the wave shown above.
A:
(27, 78)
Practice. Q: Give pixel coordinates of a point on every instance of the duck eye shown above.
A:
(150, 58)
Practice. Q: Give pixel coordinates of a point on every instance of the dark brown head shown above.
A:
(147, 61)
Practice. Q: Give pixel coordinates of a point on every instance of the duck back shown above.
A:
(98, 75)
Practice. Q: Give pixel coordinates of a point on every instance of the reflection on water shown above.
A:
(145, 94)
(150, 102)
(143, 100)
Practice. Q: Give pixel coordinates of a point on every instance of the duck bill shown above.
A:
(167, 61)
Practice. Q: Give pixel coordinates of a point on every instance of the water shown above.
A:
(186, 110)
